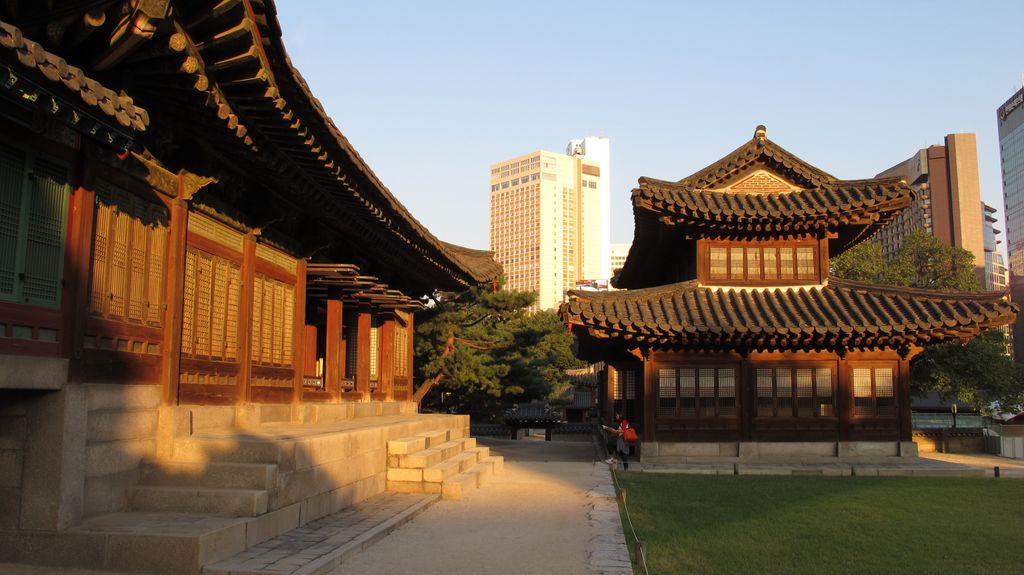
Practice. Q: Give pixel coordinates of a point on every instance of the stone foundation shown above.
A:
(776, 452)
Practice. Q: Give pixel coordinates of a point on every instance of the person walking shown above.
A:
(625, 434)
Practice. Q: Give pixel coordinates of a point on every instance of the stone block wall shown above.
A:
(120, 431)
(13, 431)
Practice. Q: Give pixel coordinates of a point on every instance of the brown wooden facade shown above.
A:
(731, 329)
(196, 221)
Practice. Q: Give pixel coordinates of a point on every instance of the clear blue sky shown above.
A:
(432, 93)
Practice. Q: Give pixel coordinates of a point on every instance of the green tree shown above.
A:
(923, 261)
(481, 350)
(979, 372)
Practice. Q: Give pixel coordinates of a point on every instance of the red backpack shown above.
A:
(629, 434)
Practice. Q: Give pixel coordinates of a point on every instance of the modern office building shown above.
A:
(546, 223)
(1010, 120)
(947, 197)
(618, 256)
(996, 274)
(598, 149)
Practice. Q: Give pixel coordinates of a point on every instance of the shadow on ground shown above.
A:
(534, 448)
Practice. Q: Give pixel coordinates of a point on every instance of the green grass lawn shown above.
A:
(872, 525)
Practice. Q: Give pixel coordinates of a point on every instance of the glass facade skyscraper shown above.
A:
(1010, 117)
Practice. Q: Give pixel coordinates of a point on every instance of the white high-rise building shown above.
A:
(598, 149)
(545, 223)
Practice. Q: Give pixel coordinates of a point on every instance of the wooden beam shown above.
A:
(174, 295)
(298, 328)
(334, 362)
(245, 311)
(386, 369)
(363, 353)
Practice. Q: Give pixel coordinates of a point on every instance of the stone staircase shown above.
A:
(238, 483)
(216, 492)
(444, 462)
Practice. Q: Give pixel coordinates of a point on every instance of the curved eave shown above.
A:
(859, 202)
(122, 116)
(840, 316)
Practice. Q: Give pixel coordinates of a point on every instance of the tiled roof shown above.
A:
(480, 263)
(840, 315)
(840, 202)
(715, 202)
(55, 69)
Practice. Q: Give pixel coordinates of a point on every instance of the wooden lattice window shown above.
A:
(210, 315)
(874, 392)
(128, 250)
(697, 392)
(375, 324)
(795, 392)
(401, 352)
(34, 192)
(623, 383)
(760, 263)
(273, 312)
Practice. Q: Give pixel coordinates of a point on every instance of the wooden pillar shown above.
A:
(334, 360)
(648, 399)
(387, 358)
(77, 261)
(299, 330)
(608, 414)
(174, 295)
(746, 399)
(245, 311)
(906, 426)
(363, 353)
(410, 333)
(844, 398)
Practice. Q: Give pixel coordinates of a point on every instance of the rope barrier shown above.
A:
(641, 553)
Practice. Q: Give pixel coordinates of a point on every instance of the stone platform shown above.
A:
(213, 492)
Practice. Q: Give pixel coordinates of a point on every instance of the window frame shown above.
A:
(718, 265)
(716, 406)
(31, 158)
(794, 395)
(873, 367)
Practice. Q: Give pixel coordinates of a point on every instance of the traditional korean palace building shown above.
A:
(191, 252)
(731, 340)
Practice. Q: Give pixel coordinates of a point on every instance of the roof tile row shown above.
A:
(55, 69)
(840, 313)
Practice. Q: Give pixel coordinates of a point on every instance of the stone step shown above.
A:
(450, 449)
(406, 445)
(457, 486)
(434, 438)
(468, 443)
(228, 449)
(405, 474)
(497, 462)
(212, 474)
(481, 452)
(413, 487)
(441, 471)
(466, 460)
(322, 546)
(484, 471)
(421, 459)
(193, 499)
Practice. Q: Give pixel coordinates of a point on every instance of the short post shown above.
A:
(995, 471)
(639, 552)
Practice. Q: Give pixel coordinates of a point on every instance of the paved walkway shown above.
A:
(552, 510)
